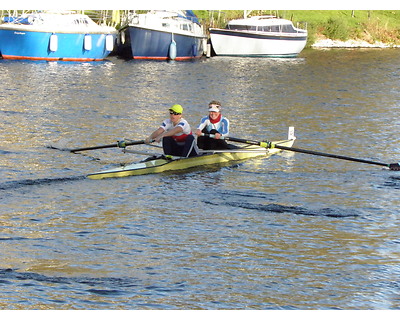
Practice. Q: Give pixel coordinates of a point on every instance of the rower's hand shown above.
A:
(148, 140)
(217, 136)
(198, 132)
(158, 139)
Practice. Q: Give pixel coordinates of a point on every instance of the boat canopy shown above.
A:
(48, 21)
(178, 21)
(277, 28)
(263, 23)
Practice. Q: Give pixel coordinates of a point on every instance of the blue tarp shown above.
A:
(191, 16)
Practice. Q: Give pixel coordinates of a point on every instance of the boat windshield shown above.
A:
(81, 21)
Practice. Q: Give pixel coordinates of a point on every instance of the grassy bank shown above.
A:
(367, 25)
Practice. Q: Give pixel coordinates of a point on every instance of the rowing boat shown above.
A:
(212, 157)
(207, 157)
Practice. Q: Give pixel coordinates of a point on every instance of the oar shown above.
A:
(119, 144)
(391, 166)
(264, 144)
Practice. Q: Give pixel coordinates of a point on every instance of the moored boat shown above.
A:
(162, 35)
(259, 36)
(207, 158)
(51, 36)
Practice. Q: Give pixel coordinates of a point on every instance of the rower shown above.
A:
(175, 134)
(214, 124)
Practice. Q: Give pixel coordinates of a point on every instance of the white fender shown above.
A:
(172, 50)
(109, 42)
(53, 43)
(87, 43)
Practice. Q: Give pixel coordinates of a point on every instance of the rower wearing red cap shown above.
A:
(215, 124)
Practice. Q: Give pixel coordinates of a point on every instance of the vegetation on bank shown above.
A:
(368, 25)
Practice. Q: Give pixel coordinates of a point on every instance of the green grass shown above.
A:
(368, 25)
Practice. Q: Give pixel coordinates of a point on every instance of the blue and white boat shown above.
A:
(259, 36)
(162, 35)
(51, 36)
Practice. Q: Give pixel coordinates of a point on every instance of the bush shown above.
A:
(374, 30)
(336, 29)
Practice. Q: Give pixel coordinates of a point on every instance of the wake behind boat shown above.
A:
(51, 36)
(206, 158)
(259, 36)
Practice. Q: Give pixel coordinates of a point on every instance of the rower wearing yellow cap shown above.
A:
(175, 134)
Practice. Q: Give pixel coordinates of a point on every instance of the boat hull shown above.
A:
(145, 43)
(163, 165)
(40, 45)
(256, 44)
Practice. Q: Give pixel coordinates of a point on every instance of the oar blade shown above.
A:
(60, 144)
(394, 166)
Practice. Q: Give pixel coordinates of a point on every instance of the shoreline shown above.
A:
(329, 43)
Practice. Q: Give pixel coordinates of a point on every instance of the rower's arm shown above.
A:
(154, 135)
(173, 131)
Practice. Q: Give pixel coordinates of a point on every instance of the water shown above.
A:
(294, 231)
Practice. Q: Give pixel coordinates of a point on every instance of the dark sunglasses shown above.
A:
(174, 113)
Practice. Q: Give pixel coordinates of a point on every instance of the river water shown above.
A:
(293, 231)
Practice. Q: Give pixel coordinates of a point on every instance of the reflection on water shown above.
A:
(294, 231)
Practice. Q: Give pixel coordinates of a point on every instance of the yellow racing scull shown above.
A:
(206, 158)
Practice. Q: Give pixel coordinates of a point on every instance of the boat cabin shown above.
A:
(263, 24)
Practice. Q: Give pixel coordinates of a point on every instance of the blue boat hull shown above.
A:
(142, 43)
(35, 45)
